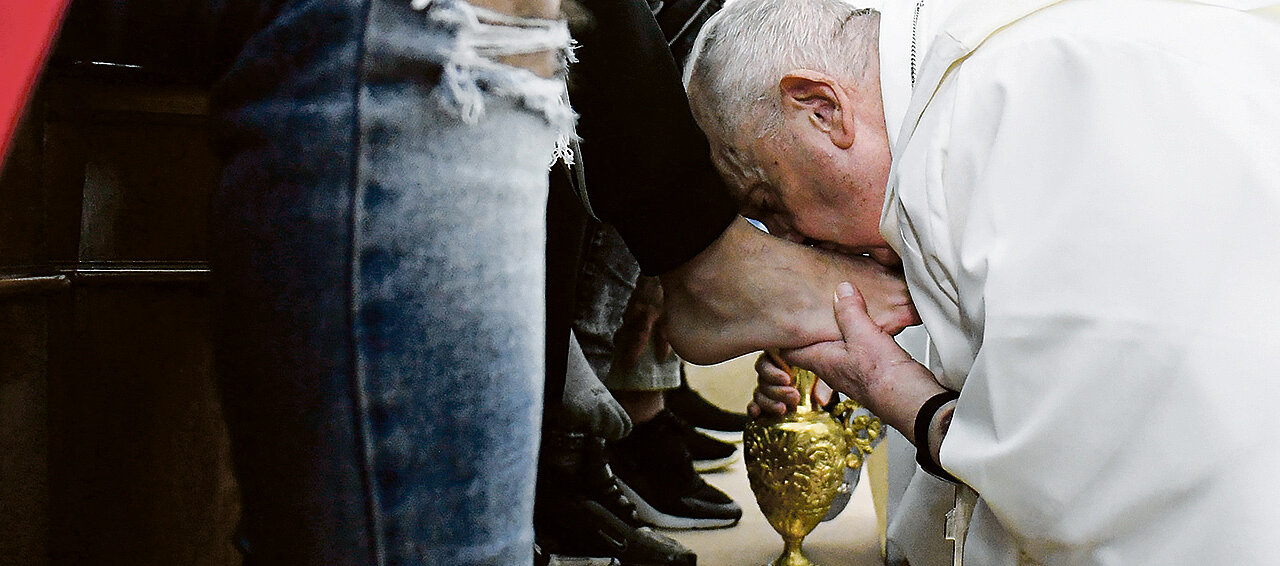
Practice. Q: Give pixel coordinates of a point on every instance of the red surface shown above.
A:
(27, 29)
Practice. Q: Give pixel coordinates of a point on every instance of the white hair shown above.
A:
(743, 50)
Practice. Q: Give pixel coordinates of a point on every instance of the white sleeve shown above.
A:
(1113, 238)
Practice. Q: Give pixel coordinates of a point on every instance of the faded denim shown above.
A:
(606, 281)
(379, 242)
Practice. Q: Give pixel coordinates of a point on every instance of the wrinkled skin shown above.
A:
(750, 291)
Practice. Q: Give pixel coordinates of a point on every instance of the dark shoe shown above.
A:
(656, 472)
(708, 453)
(543, 558)
(698, 411)
(582, 511)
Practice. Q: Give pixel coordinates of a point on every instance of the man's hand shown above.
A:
(640, 326)
(776, 392)
(750, 291)
(867, 365)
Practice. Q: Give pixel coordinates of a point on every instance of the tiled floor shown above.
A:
(850, 539)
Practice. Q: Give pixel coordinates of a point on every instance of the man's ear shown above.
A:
(821, 99)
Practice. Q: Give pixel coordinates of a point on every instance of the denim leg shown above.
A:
(607, 279)
(379, 255)
(605, 283)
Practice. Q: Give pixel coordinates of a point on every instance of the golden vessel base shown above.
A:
(792, 556)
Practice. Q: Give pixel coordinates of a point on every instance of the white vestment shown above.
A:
(1086, 197)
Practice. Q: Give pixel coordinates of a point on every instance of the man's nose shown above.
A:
(886, 257)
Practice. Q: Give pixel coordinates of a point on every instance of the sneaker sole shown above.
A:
(557, 560)
(652, 516)
(721, 435)
(704, 466)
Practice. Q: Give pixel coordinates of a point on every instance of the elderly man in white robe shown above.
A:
(1085, 197)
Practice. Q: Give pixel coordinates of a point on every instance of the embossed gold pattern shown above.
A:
(795, 463)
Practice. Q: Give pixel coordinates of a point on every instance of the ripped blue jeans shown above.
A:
(378, 257)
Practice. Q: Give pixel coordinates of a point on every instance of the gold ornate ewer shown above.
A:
(796, 463)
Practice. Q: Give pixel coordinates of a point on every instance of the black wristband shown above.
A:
(923, 418)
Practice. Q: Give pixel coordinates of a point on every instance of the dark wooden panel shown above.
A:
(112, 445)
(140, 460)
(24, 432)
(148, 171)
(137, 453)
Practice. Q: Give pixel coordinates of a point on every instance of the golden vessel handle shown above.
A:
(805, 381)
(861, 430)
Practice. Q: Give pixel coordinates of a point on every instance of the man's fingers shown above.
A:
(770, 406)
(817, 358)
(630, 341)
(640, 325)
(851, 314)
(661, 347)
(784, 394)
(768, 373)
